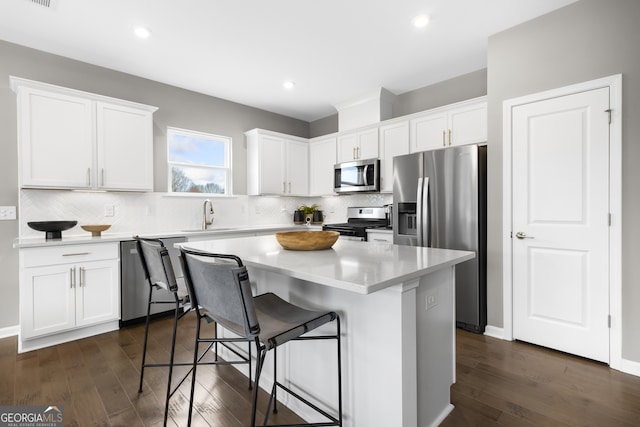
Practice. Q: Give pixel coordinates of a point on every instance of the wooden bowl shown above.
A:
(307, 240)
(96, 229)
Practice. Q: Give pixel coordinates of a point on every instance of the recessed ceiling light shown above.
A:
(421, 21)
(289, 85)
(142, 32)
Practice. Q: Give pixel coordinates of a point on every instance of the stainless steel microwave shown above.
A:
(357, 176)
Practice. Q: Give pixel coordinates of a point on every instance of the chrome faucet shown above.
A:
(206, 223)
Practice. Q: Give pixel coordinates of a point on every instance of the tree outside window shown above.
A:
(198, 162)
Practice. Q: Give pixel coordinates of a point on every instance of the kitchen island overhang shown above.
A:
(397, 309)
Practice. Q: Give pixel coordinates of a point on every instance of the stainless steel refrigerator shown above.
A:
(439, 201)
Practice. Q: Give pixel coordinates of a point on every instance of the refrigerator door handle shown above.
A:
(419, 207)
(426, 214)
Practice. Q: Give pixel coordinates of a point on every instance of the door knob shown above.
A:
(522, 235)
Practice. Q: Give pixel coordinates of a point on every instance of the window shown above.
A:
(198, 162)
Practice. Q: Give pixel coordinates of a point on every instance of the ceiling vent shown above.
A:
(45, 3)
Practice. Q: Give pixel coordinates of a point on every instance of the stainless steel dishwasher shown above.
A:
(134, 289)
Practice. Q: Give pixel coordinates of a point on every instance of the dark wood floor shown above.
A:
(499, 384)
(96, 381)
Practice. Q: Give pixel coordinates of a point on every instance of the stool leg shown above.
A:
(272, 395)
(262, 352)
(250, 368)
(171, 357)
(275, 380)
(195, 365)
(339, 371)
(146, 338)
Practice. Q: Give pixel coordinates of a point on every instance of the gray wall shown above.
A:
(177, 107)
(583, 41)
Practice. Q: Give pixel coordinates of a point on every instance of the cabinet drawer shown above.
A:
(373, 236)
(66, 254)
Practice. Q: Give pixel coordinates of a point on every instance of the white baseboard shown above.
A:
(494, 331)
(10, 331)
(630, 367)
(627, 366)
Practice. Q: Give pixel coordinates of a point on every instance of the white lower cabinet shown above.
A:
(66, 288)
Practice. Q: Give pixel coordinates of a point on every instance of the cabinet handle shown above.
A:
(72, 277)
(284, 187)
(88, 177)
(354, 153)
(449, 136)
(444, 144)
(102, 177)
(358, 152)
(81, 277)
(289, 187)
(77, 254)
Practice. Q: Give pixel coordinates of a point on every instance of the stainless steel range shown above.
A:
(359, 219)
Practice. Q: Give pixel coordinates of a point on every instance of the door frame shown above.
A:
(614, 83)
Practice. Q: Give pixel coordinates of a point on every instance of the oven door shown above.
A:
(354, 238)
(346, 232)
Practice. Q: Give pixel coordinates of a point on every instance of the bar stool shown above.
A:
(159, 274)
(219, 287)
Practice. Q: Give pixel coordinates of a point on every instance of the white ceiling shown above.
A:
(243, 51)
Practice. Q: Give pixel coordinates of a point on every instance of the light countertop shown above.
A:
(214, 232)
(361, 267)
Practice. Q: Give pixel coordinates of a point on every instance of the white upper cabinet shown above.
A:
(463, 123)
(277, 164)
(394, 141)
(78, 140)
(56, 139)
(428, 132)
(358, 145)
(322, 158)
(125, 147)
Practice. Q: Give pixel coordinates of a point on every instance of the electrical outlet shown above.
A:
(431, 300)
(109, 210)
(7, 213)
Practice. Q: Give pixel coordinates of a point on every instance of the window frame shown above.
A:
(226, 169)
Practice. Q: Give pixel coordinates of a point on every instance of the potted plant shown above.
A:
(308, 211)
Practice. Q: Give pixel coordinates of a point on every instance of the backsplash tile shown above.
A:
(161, 212)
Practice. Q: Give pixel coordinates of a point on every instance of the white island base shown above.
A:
(396, 305)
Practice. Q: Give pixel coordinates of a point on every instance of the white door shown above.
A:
(561, 223)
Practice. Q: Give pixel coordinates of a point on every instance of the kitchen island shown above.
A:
(398, 325)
